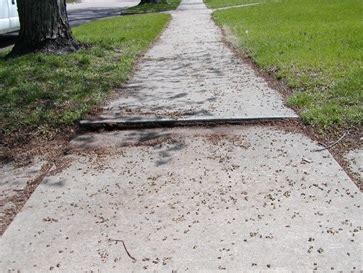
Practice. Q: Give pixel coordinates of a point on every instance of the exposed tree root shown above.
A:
(55, 46)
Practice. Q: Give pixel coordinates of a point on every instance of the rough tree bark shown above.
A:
(43, 27)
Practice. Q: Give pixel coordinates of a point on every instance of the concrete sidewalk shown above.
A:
(189, 75)
(234, 198)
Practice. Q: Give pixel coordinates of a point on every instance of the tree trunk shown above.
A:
(153, 2)
(43, 27)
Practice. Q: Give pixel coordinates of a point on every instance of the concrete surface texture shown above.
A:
(355, 160)
(14, 179)
(241, 198)
(191, 74)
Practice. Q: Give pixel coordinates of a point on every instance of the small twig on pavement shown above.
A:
(127, 252)
(306, 160)
(331, 145)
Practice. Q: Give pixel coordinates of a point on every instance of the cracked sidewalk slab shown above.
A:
(234, 198)
(191, 74)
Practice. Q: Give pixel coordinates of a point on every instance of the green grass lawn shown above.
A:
(214, 4)
(149, 8)
(42, 93)
(315, 46)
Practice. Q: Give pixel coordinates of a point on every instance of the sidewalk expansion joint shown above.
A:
(124, 124)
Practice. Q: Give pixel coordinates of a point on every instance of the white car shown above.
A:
(9, 18)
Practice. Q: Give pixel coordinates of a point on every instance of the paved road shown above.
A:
(89, 10)
(237, 198)
(81, 13)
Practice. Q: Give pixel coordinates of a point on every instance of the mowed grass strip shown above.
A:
(215, 4)
(42, 93)
(315, 46)
(150, 8)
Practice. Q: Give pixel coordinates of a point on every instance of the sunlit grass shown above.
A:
(315, 46)
(43, 93)
(213, 4)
